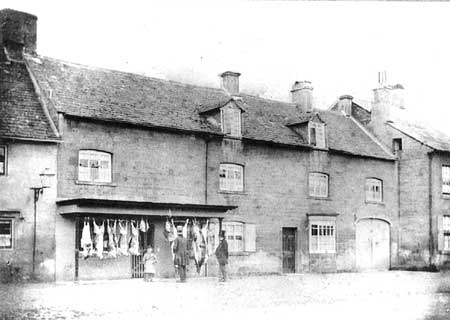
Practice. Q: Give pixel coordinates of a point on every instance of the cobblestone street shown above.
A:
(388, 295)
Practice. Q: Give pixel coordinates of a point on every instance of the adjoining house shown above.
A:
(295, 188)
(423, 169)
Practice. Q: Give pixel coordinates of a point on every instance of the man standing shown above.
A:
(222, 256)
(180, 253)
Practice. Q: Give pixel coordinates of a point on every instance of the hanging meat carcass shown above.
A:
(134, 240)
(112, 243)
(200, 245)
(122, 248)
(143, 225)
(86, 241)
(99, 230)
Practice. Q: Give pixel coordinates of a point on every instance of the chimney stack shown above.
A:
(230, 82)
(388, 100)
(345, 104)
(18, 32)
(302, 95)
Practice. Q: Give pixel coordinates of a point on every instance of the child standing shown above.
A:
(149, 264)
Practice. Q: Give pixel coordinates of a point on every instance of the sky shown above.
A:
(339, 46)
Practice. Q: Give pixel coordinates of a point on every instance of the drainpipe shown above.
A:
(430, 207)
(399, 216)
(206, 168)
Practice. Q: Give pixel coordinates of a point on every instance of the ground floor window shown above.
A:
(322, 235)
(241, 237)
(446, 231)
(6, 233)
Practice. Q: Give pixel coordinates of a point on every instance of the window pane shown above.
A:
(322, 238)
(446, 179)
(5, 234)
(318, 184)
(94, 166)
(231, 121)
(231, 177)
(374, 190)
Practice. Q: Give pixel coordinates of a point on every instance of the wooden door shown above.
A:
(146, 239)
(372, 245)
(289, 248)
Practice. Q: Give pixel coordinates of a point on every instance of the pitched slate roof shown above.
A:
(430, 137)
(124, 97)
(21, 113)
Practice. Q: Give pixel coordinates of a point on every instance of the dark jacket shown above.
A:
(222, 252)
(180, 251)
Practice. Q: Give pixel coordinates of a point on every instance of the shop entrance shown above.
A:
(146, 239)
(289, 250)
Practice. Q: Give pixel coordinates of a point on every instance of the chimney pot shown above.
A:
(302, 96)
(230, 82)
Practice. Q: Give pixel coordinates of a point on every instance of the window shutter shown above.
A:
(440, 229)
(250, 237)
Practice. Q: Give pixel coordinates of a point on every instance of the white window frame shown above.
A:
(229, 177)
(231, 121)
(87, 173)
(234, 234)
(3, 166)
(372, 195)
(445, 179)
(11, 247)
(446, 232)
(319, 134)
(318, 185)
(322, 236)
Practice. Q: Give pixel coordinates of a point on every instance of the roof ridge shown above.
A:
(85, 66)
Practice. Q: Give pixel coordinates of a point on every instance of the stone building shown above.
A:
(295, 188)
(423, 168)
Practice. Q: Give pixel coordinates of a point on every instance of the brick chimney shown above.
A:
(345, 104)
(17, 32)
(302, 96)
(230, 82)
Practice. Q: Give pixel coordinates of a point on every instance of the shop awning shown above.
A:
(90, 206)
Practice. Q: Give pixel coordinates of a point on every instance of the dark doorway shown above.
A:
(146, 239)
(289, 249)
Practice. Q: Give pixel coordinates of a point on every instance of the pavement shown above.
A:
(380, 295)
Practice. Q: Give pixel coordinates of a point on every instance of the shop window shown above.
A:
(446, 231)
(241, 237)
(446, 179)
(374, 190)
(322, 236)
(6, 233)
(231, 121)
(317, 134)
(94, 166)
(231, 177)
(318, 184)
(3, 156)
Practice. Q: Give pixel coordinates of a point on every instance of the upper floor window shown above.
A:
(231, 121)
(317, 134)
(2, 160)
(94, 166)
(446, 179)
(231, 177)
(6, 233)
(322, 236)
(374, 190)
(318, 184)
(397, 145)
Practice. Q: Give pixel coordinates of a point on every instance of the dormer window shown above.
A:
(317, 134)
(231, 121)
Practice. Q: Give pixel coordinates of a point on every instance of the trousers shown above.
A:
(182, 273)
(222, 272)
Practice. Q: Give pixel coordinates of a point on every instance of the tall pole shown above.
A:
(37, 191)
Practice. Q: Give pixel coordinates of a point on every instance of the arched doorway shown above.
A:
(372, 244)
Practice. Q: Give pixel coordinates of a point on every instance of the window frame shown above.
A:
(91, 179)
(325, 243)
(314, 141)
(321, 175)
(369, 193)
(397, 145)
(223, 123)
(5, 162)
(445, 187)
(223, 186)
(446, 233)
(11, 220)
(233, 246)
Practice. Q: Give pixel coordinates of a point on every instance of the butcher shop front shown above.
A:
(110, 237)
